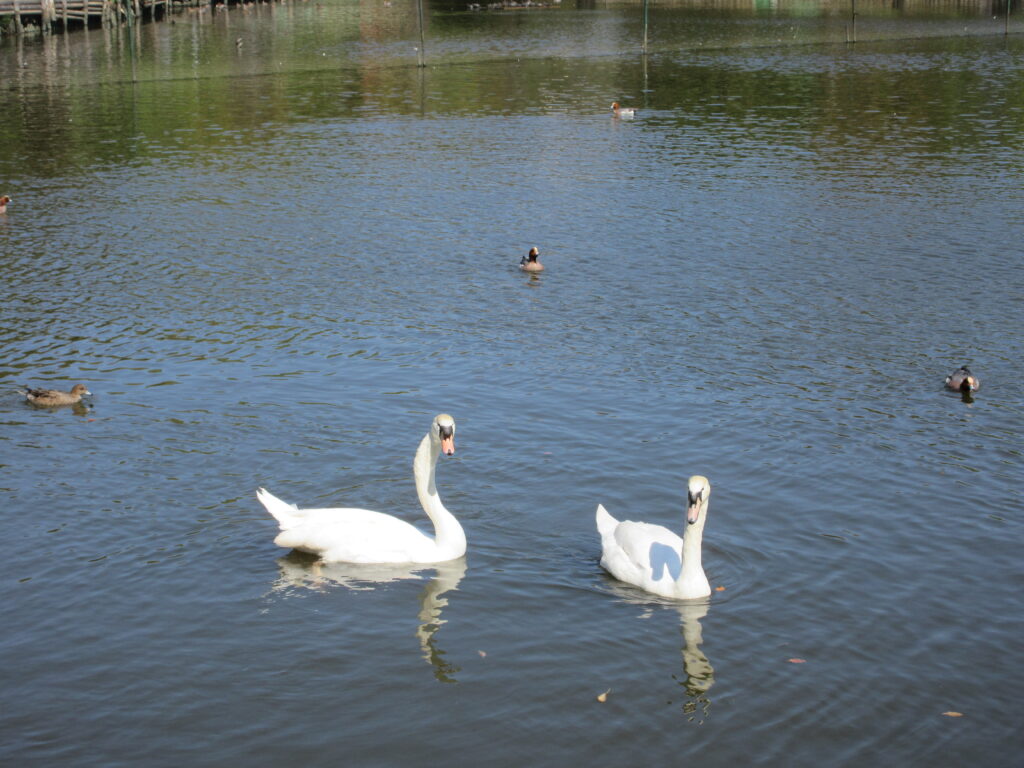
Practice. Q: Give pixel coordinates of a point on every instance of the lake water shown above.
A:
(274, 263)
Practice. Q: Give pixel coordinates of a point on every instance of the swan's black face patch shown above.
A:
(445, 432)
(693, 510)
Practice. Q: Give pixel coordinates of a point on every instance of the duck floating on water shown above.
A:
(620, 111)
(51, 397)
(529, 262)
(963, 381)
(3, 203)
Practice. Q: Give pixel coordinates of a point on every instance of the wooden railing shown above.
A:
(48, 13)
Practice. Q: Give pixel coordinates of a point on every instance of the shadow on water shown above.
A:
(304, 571)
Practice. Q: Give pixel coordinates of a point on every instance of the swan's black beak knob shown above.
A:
(693, 506)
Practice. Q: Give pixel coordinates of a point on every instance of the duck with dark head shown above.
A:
(529, 262)
(963, 381)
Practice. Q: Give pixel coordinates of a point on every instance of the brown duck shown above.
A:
(529, 262)
(48, 397)
(963, 381)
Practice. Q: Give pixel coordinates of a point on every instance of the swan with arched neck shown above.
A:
(352, 535)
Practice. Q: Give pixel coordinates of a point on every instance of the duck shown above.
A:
(529, 262)
(963, 380)
(51, 397)
(352, 535)
(622, 111)
(3, 203)
(654, 558)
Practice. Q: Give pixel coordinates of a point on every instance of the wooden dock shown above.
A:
(48, 14)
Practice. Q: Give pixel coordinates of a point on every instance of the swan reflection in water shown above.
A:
(699, 675)
(298, 569)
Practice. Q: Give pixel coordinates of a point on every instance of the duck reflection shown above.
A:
(298, 569)
(698, 674)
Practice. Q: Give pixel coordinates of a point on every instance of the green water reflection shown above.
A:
(855, 99)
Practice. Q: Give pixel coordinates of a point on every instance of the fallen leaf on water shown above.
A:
(90, 419)
(953, 714)
(719, 589)
(797, 661)
(603, 697)
(482, 653)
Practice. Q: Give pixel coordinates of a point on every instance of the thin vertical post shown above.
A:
(1006, 22)
(643, 49)
(853, 19)
(647, 88)
(129, 11)
(421, 53)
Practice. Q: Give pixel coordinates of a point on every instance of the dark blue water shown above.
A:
(279, 280)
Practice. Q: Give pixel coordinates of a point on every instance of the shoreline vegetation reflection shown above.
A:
(245, 39)
(830, 108)
(106, 97)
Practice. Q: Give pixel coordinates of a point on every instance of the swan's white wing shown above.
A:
(637, 541)
(356, 536)
(646, 555)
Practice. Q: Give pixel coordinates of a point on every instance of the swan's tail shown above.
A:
(282, 510)
(605, 522)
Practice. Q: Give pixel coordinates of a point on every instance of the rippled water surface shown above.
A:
(274, 263)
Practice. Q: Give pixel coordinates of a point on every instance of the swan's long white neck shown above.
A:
(448, 534)
(692, 573)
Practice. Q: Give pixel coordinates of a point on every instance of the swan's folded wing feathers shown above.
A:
(635, 540)
(353, 535)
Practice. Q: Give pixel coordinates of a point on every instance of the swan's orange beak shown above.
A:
(692, 512)
(448, 445)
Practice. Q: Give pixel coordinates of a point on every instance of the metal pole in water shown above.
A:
(129, 12)
(646, 89)
(421, 54)
(644, 48)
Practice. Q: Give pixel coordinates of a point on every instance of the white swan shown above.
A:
(350, 535)
(651, 556)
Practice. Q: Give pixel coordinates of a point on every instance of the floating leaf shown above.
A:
(953, 714)
(797, 661)
(719, 589)
(482, 654)
(603, 697)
